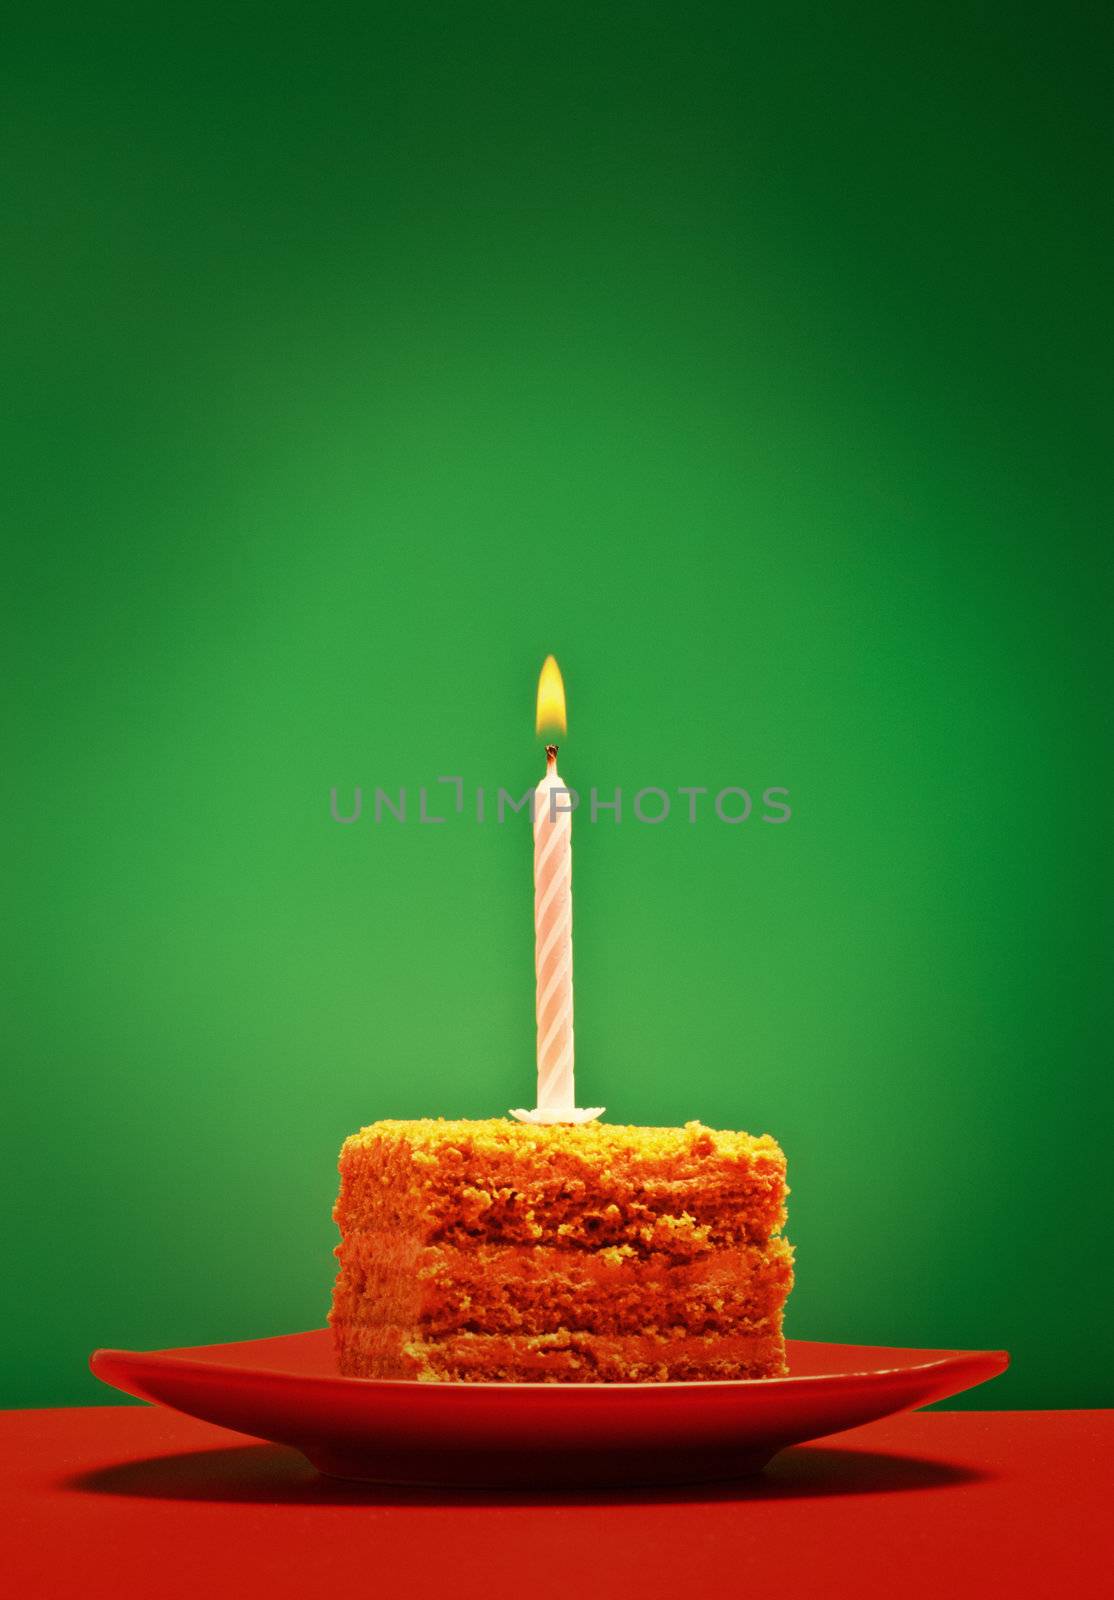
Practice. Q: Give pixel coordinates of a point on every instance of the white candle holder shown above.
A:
(543, 1118)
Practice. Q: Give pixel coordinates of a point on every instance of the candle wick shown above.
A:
(551, 756)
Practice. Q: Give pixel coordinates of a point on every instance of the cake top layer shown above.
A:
(597, 1142)
(678, 1191)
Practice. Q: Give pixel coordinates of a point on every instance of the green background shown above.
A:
(754, 360)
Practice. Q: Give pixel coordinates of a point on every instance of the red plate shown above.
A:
(478, 1434)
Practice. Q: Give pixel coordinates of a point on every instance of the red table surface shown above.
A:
(127, 1500)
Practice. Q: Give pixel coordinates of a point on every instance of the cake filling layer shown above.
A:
(536, 1290)
(568, 1357)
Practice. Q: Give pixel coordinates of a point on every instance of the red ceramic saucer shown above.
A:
(288, 1390)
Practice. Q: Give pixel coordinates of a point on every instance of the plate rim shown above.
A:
(181, 1359)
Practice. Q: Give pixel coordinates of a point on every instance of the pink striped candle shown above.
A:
(553, 803)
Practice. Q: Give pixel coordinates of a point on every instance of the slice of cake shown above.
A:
(500, 1250)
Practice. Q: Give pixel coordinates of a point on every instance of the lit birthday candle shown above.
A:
(553, 803)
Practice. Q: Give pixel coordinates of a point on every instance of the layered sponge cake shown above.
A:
(497, 1250)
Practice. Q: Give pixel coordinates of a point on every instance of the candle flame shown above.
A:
(551, 699)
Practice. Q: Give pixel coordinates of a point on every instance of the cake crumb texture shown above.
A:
(499, 1251)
